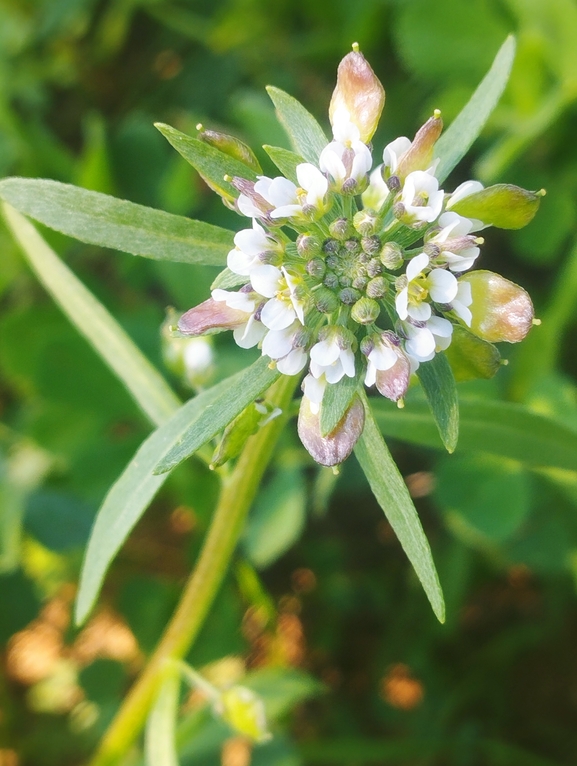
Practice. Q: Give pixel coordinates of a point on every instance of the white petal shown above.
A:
(440, 326)
(249, 334)
(330, 161)
(313, 389)
(371, 376)
(262, 186)
(462, 311)
(416, 265)
(334, 372)
(421, 343)
(325, 352)
(265, 280)
(382, 357)
(420, 312)
(394, 151)
(312, 181)
(252, 241)
(464, 190)
(286, 211)
(293, 363)
(348, 362)
(464, 293)
(402, 303)
(454, 225)
(247, 207)
(282, 192)
(377, 191)
(278, 343)
(443, 285)
(240, 301)
(362, 161)
(297, 305)
(239, 262)
(277, 314)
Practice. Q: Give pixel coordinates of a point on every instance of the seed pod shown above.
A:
(471, 357)
(502, 311)
(338, 445)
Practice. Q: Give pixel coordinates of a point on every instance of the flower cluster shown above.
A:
(352, 271)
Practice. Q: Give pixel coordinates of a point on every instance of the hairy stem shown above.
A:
(237, 494)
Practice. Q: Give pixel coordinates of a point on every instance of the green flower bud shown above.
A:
(364, 222)
(377, 287)
(337, 446)
(503, 205)
(348, 296)
(316, 268)
(365, 311)
(307, 245)
(420, 154)
(502, 311)
(341, 228)
(230, 145)
(374, 267)
(470, 357)
(325, 300)
(331, 281)
(358, 95)
(371, 245)
(244, 711)
(392, 256)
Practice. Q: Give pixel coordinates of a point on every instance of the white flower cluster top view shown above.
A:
(351, 292)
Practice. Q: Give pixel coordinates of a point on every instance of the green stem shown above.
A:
(237, 494)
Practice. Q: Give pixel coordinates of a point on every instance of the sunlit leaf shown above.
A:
(110, 222)
(393, 496)
(306, 135)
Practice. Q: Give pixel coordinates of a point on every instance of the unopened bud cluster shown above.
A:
(352, 292)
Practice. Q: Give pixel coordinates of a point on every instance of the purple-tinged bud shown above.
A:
(419, 156)
(348, 296)
(230, 145)
(247, 188)
(325, 300)
(351, 187)
(371, 245)
(211, 316)
(353, 246)
(502, 205)
(394, 184)
(374, 267)
(377, 287)
(307, 245)
(501, 310)
(365, 311)
(392, 256)
(358, 96)
(359, 283)
(393, 383)
(337, 446)
(331, 246)
(316, 268)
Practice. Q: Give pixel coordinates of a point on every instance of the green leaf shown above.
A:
(336, 401)
(285, 160)
(109, 222)
(160, 735)
(278, 518)
(142, 380)
(133, 491)
(471, 357)
(306, 135)
(393, 496)
(458, 139)
(212, 164)
(500, 428)
(248, 385)
(227, 280)
(440, 389)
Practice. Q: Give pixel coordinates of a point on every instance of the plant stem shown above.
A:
(237, 494)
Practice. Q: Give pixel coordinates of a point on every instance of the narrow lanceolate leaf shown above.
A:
(440, 389)
(285, 160)
(458, 139)
(306, 135)
(212, 164)
(110, 222)
(133, 491)
(227, 280)
(393, 496)
(127, 362)
(160, 735)
(336, 401)
(247, 386)
(500, 428)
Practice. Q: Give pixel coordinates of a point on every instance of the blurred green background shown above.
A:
(321, 608)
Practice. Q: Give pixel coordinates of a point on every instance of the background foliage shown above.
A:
(321, 606)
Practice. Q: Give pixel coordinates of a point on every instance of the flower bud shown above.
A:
(307, 245)
(371, 245)
(316, 268)
(377, 287)
(365, 311)
(358, 97)
(471, 357)
(502, 205)
(392, 256)
(364, 222)
(230, 145)
(419, 156)
(501, 310)
(349, 295)
(242, 709)
(209, 317)
(337, 446)
(394, 382)
(341, 229)
(326, 301)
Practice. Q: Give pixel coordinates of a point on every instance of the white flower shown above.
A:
(250, 243)
(421, 197)
(423, 342)
(241, 301)
(439, 284)
(393, 152)
(314, 389)
(287, 199)
(251, 332)
(283, 307)
(382, 357)
(461, 302)
(332, 361)
(343, 162)
(454, 228)
(279, 345)
(377, 191)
